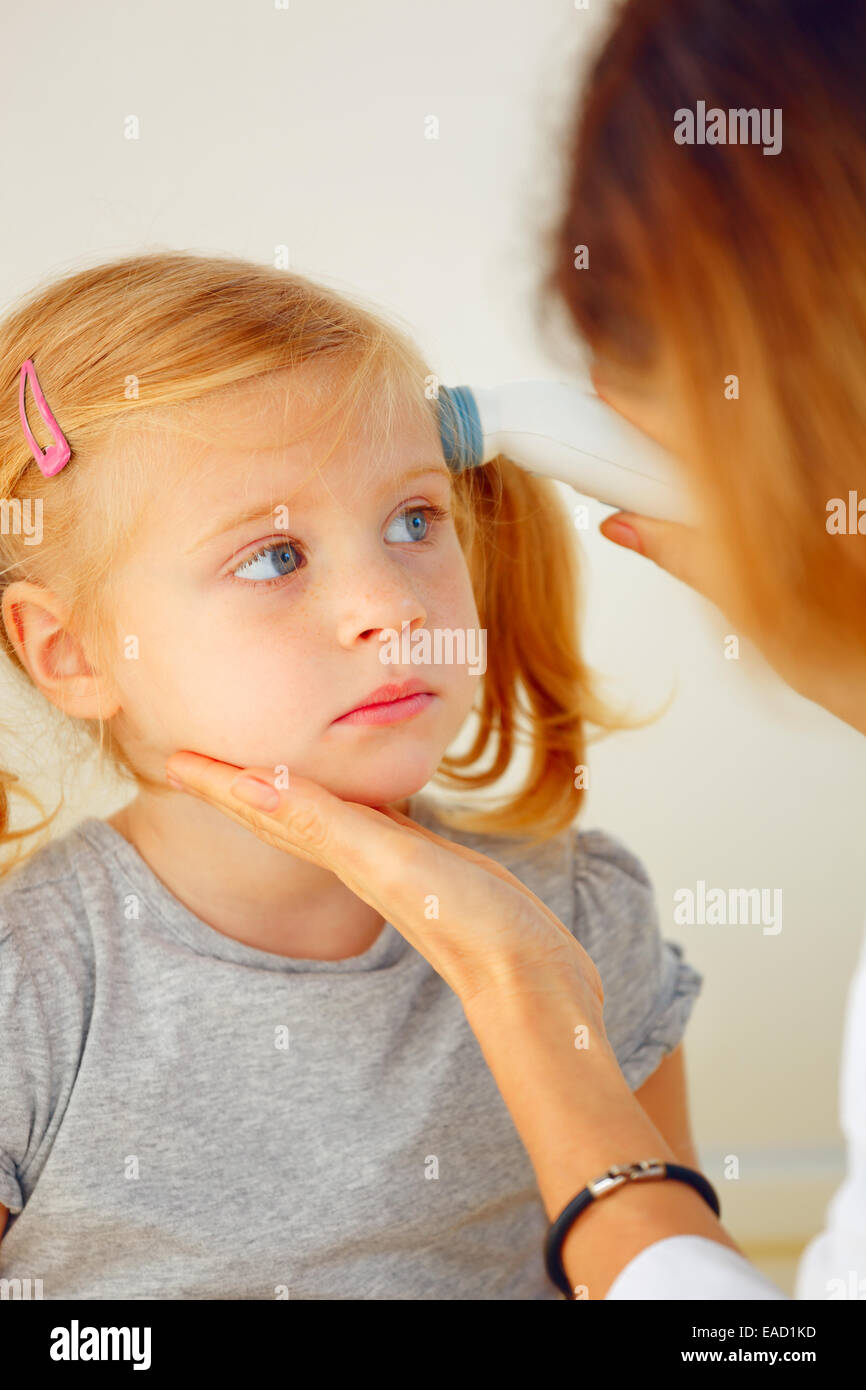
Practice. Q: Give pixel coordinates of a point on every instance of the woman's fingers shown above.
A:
(318, 826)
(373, 851)
(310, 819)
(307, 819)
(485, 924)
(679, 549)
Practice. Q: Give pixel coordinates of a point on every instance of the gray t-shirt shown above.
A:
(185, 1116)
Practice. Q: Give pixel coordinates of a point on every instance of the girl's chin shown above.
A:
(389, 785)
(394, 803)
(397, 802)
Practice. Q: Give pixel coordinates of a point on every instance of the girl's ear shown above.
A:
(36, 625)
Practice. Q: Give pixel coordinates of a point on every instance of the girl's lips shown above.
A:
(391, 712)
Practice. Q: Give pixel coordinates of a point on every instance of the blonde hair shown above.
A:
(135, 342)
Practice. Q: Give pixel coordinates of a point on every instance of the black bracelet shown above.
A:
(620, 1173)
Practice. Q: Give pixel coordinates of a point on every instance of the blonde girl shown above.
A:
(228, 1070)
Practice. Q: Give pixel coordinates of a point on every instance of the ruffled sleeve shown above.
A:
(650, 987)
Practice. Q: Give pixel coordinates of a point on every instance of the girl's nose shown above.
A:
(379, 614)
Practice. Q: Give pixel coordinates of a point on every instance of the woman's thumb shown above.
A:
(669, 544)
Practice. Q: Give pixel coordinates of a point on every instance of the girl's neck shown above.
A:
(264, 897)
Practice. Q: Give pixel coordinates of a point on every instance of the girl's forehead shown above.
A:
(310, 403)
(291, 448)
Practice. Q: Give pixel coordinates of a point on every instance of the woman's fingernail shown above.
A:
(174, 781)
(253, 792)
(620, 534)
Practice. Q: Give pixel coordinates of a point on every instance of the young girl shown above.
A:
(222, 1074)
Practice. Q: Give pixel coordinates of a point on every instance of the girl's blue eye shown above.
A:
(416, 533)
(278, 552)
(265, 567)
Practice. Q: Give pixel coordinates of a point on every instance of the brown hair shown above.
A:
(713, 261)
(124, 345)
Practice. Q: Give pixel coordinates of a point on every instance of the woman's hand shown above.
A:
(829, 679)
(480, 928)
(525, 984)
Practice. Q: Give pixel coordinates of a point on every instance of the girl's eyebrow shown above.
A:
(257, 511)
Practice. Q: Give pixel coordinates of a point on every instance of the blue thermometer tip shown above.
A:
(460, 428)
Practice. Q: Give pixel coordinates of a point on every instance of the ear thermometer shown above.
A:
(562, 431)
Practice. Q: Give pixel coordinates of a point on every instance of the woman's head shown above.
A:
(256, 496)
(725, 293)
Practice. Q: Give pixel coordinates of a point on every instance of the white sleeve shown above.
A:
(687, 1267)
(832, 1266)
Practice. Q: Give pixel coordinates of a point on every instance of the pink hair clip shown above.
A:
(58, 454)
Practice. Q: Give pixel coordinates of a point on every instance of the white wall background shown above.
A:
(306, 126)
